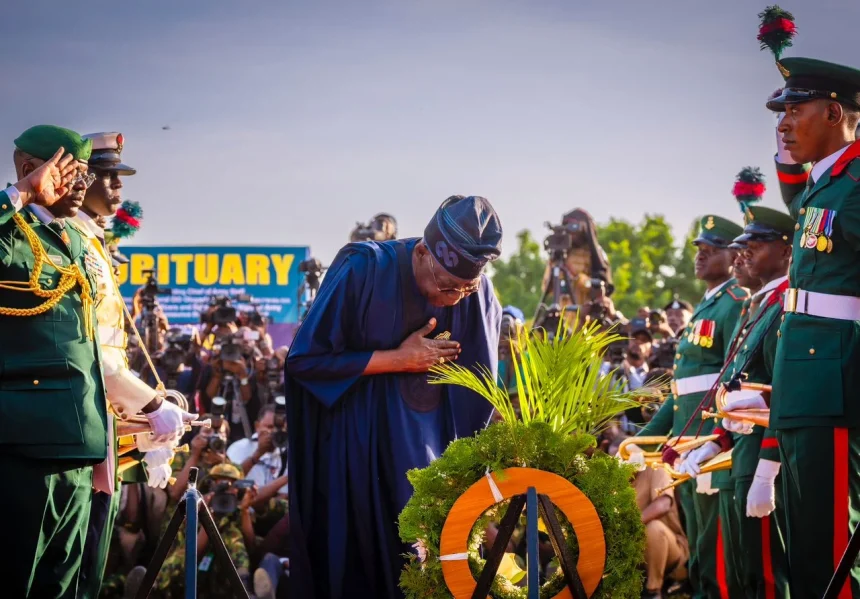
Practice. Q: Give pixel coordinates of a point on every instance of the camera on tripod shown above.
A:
(382, 227)
(312, 268)
(559, 242)
(151, 290)
(224, 502)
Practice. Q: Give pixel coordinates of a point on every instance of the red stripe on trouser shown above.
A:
(840, 502)
(721, 564)
(769, 582)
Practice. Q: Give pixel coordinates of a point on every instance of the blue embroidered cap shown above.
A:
(464, 235)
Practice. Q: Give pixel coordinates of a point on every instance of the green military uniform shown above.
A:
(756, 545)
(212, 577)
(722, 480)
(814, 407)
(52, 400)
(700, 357)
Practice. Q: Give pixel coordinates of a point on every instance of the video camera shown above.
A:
(151, 290)
(312, 269)
(178, 346)
(383, 227)
(559, 242)
(224, 502)
(231, 348)
(224, 312)
(663, 354)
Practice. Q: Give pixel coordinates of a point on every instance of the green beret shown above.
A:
(766, 224)
(43, 141)
(810, 79)
(717, 231)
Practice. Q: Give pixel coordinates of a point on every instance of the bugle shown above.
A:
(759, 416)
(721, 462)
(654, 458)
(133, 426)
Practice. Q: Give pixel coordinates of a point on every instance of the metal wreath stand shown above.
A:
(193, 510)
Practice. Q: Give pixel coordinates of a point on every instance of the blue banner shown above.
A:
(269, 275)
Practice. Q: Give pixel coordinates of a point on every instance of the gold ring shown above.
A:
(441, 360)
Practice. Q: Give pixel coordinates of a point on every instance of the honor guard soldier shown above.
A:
(126, 393)
(700, 357)
(53, 424)
(754, 543)
(814, 408)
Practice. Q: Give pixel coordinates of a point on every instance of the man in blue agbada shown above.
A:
(360, 410)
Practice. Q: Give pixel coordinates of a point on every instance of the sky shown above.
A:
(289, 121)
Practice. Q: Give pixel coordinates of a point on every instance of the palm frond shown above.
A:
(559, 380)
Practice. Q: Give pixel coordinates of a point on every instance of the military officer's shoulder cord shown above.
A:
(69, 277)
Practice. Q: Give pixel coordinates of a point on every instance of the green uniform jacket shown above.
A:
(815, 372)
(759, 348)
(723, 308)
(52, 398)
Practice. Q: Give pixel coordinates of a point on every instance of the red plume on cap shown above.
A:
(776, 30)
(749, 187)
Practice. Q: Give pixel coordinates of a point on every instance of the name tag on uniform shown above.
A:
(55, 260)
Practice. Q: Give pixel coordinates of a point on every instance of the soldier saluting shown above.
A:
(814, 408)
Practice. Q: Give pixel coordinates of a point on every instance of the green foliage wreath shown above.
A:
(562, 400)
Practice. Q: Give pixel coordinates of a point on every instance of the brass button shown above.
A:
(778, 333)
(719, 293)
(677, 356)
(5, 206)
(675, 407)
(797, 226)
(812, 351)
(35, 382)
(802, 211)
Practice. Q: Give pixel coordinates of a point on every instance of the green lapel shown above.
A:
(823, 182)
(705, 303)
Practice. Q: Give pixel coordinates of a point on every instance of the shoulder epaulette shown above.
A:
(74, 226)
(737, 293)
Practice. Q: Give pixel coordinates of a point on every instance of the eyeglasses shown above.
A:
(462, 291)
(86, 178)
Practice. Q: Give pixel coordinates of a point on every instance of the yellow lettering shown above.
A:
(181, 261)
(122, 274)
(140, 263)
(231, 270)
(257, 269)
(282, 264)
(163, 269)
(206, 269)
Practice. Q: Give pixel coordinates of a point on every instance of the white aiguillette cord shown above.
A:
(498, 497)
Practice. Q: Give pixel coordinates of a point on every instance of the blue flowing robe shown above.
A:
(352, 438)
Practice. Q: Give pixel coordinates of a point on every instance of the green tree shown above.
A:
(517, 280)
(684, 283)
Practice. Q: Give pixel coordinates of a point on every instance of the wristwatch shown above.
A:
(243, 381)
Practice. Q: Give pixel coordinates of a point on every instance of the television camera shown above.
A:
(382, 227)
(313, 270)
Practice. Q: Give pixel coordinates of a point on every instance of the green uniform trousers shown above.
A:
(701, 518)
(101, 527)
(821, 486)
(728, 566)
(760, 551)
(48, 506)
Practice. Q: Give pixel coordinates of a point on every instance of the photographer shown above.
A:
(178, 365)
(208, 449)
(583, 257)
(678, 315)
(382, 227)
(261, 455)
(229, 500)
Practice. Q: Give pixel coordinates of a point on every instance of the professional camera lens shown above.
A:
(217, 443)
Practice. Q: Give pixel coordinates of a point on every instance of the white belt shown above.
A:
(112, 337)
(694, 384)
(825, 305)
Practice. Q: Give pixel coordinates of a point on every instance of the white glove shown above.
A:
(782, 155)
(691, 465)
(146, 442)
(761, 500)
(745, 400)
(703, 485)
(737, 426)
(168, 421)
(637, 457)
(157, 477)
(157, 457)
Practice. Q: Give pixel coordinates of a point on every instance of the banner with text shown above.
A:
(194, 274)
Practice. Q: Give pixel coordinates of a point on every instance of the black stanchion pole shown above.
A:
(844, 567)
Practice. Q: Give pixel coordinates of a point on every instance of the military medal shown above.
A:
(818, 232)
(696, 336)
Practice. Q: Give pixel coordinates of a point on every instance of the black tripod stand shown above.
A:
(549, 312)
(189, 509)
